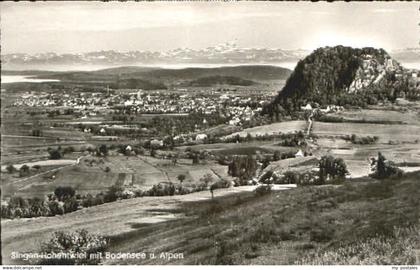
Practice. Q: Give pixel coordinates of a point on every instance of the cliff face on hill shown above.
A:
(372, 71)
(335, 75)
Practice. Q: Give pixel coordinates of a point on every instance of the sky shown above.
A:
(75, 27)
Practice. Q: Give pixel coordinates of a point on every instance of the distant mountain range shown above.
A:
(222, 54)
(225, 54)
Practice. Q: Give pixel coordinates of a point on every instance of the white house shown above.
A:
(156, 142)
(299, 153)
(308, 107)
(200, 137)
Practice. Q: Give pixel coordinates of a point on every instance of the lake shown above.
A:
(20, 78)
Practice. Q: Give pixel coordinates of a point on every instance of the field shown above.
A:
(284, 227)
(90, 176)
(386, 133)
(243, 148)
(381, 115)
(276, 128)
(397, 131)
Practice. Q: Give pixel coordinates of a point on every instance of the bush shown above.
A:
(55, 154)
(10, 169)
(291, 177)
(399, 249)
(163, 189)
(114, 193)
(103, 150)
(56, 208)
(64, 193)
(36, 167)
(24, 171)
(70, 205)
(73, 243)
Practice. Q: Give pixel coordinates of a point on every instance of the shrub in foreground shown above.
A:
(71, 245)
(399, 249)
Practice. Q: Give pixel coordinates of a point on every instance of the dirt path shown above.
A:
(111, 219)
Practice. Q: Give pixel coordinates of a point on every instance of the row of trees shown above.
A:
(363, 139)
(62, 201)
(24, 170)
(65, 199)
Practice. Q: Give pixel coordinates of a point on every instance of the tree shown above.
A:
(153, 152)
(55, 154)
(175, 159)
(10, 168)
(383, 168)
(265, 162)
(56, 208)
(114, 193)
(37, 133)
(206, 179)
(64, 193)
(331, 168)
(243, 167)
(291, 177)
(24, 171)
(276, 155)
(181, 178)
(212, 188)
(103, 150)
(38, 207)
(70, 205)
(195, 158)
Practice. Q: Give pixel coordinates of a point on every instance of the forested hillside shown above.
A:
(345, 76)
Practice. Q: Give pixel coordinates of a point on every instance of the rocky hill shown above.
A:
(345, 76)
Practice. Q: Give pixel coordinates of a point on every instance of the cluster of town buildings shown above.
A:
(235, 107)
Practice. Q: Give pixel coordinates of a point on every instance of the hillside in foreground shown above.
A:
(360, 222)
